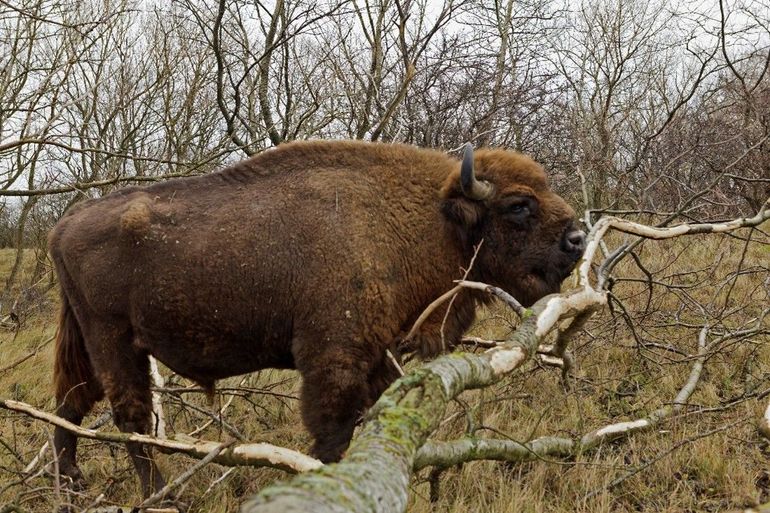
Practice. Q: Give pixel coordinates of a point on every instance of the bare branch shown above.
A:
(251, 454)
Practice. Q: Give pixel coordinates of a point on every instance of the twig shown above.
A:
(218, 480)
(215, 417)
(99, 422)
(56, 473)
(659, 457)
(624, 429)
(430, 309)
(27, 356)
(480, 342)
(451, 301)
(218, 417)
(587, 212)
(657, 233)
(185, 476)
(498, 293)
(395, 363)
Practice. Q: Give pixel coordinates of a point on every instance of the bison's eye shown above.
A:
(518, 208)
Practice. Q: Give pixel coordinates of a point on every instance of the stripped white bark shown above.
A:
(567, 306)
(504, 360)
(764, 423)
(479, 342)
(650, 232)
(158, 419)
(545, 351)
(551, 360)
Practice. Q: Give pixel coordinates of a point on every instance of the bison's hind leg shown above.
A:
(65, 443)
(124, 372)
(77, 389)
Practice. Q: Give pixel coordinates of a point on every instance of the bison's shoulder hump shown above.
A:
(136, 217)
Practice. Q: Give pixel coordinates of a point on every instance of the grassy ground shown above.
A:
(710, 458)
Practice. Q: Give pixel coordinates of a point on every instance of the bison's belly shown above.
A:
(206, 354)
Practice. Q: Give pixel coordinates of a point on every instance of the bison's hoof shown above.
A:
(71, 478)
(174, 503)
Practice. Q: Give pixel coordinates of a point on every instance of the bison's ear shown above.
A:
(462, 211)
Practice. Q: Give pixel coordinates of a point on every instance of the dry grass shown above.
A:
(678, 467)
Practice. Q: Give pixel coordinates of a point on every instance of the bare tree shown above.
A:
(629, 74)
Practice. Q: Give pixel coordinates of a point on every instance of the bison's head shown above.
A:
(531, 242)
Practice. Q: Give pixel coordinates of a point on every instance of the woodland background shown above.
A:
(644, 110)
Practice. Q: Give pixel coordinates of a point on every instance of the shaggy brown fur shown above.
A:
(314, 256)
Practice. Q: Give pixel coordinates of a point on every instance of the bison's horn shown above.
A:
(472, 188)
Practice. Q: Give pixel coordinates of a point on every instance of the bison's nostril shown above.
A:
(575, 241)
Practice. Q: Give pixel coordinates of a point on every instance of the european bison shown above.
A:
(315, 256)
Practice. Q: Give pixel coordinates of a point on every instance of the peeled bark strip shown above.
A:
(158, 418)
(375, 474)
(764, 423)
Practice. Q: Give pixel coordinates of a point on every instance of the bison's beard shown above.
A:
(540, 282)
(534, 286)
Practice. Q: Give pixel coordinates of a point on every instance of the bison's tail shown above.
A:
(74, 378)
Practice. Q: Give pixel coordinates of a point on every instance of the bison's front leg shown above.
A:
(335, 392)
